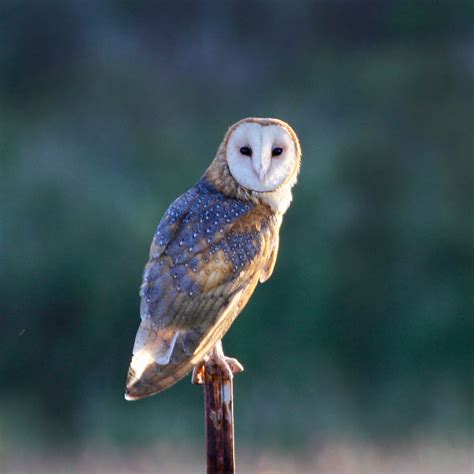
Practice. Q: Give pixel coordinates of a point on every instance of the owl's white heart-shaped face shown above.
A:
(261, 157)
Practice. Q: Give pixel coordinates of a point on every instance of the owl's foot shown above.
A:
(234, 365)
(216, 360)
(198, 374)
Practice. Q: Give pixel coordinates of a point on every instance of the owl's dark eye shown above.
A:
(277, 151)
(246, 150)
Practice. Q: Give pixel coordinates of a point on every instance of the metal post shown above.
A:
(219, 415)
(219, 412)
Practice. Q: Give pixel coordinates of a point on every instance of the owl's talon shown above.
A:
(235, 366)
(199, 374)
(228, 365)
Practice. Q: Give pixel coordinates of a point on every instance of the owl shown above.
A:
(211, 248)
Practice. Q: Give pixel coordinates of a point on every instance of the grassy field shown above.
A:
(337, 457)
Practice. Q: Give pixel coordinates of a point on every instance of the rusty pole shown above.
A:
(219, 417)
(219, 413)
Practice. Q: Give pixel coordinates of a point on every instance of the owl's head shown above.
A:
(262, 154)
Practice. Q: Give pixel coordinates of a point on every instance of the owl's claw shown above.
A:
(199, 374)
(216, 359)
(234, 365)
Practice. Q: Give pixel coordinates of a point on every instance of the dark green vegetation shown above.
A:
(109, 110)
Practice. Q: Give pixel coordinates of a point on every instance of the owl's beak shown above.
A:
(261, 167)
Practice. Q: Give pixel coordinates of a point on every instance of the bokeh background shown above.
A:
(359, 350)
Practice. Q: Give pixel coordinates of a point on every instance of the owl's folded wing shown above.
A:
(199, 277)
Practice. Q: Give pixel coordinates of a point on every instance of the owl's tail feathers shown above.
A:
(156, 365)
(154, 379)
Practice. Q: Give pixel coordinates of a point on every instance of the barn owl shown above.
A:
(211, 248)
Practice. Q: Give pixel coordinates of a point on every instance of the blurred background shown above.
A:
(358, 351)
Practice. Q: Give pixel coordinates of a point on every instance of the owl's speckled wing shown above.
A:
(206, 258)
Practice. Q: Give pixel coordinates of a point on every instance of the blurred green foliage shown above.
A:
(109, 110)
